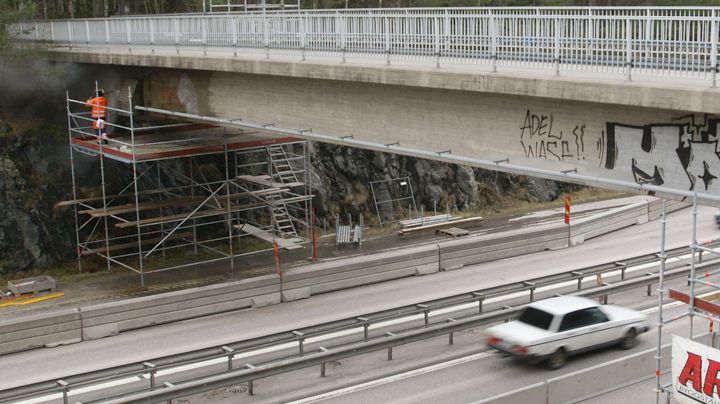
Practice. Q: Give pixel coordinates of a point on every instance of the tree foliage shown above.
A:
(104, 8)
(10, 13)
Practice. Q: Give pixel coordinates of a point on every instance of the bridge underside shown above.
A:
(639, 147)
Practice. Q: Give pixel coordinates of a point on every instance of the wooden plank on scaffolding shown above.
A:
(175, 202)
(287, 244)
(266, 180)
(700, 304)
(180, 216)
(125, 246)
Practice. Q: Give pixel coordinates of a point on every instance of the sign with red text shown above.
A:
(695, 372)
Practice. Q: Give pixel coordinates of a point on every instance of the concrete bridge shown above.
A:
(624, 98)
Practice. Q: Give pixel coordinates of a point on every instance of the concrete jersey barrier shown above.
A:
(105, 319)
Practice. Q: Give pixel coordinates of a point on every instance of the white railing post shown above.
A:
(493, 42)
(151, 24)
(107, 35)
(302, 27)
(204, 29)
(70, 36)
(266, 39)
(436, 30)
(386, 28)
(713, 48)
(234, 27)
(87, 34)
(36, 31)
(628, 48)
(128, 30)
(648, 34)
(343, 36)
(446, 34)
(556, 53)
(591, 33)
(176, 34)
(52, 32)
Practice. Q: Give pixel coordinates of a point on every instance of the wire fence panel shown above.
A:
(659, 41)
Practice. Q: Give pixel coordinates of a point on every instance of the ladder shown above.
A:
(282, 170)
(281, 217)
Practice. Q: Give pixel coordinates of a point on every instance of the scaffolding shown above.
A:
(174, 195)
(697, 306)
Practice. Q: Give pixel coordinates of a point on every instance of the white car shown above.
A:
(554, 328)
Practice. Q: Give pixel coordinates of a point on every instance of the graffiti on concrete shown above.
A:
(681, 154)
(539, 139)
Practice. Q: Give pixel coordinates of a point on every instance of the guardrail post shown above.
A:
(649, 290)
(166, 385)
(426, 312)
(64, 386)
(480, 298)
(506, 307)
(451, 335)
(250, 382)
(230, 354)
(580, 279)
(623, 267)
(366, 326)
(390, 349)
(152, 369)
(301, 341)
(532, 290)
(322, 366)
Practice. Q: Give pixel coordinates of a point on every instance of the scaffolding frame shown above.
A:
(395, 203)
(696, 253)
(190, 195)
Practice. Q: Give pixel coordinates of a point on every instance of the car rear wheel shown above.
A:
(556, 360)
(629, 340)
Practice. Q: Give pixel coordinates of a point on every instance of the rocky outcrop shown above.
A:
(342, 175)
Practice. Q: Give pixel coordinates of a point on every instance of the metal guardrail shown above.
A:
(228, 351)
(649, 41)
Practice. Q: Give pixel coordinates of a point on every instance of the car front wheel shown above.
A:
(629, 340)
(556, 360)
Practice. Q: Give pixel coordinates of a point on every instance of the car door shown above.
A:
(585, 328)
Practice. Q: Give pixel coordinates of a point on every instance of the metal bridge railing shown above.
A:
(649, 41)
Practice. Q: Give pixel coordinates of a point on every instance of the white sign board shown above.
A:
(695, 372)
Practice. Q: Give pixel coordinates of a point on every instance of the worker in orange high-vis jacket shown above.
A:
(97, 107)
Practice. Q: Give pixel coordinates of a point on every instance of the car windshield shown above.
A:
(536, 318)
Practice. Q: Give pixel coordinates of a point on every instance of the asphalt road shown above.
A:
(136, 346)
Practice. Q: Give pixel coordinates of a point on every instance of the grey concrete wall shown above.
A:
(636, 133)
(106, 319)
(38, 330)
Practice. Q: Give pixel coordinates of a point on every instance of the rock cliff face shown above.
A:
(341, 180)
(33, 177)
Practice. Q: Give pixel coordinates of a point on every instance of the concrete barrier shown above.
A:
(38, 330)
(107, 319)
(458, 253)
(305, 281)
(606, 222)
(655, 207)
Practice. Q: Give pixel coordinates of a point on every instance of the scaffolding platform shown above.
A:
(164, 195)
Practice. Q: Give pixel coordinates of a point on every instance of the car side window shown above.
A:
(582, 318)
